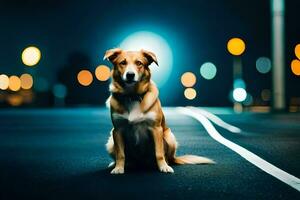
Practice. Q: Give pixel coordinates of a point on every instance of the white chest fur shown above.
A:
(134, 115)
(134, 123)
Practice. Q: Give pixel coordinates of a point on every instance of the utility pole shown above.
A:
(278, 54)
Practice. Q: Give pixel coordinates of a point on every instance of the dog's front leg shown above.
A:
(159, 150)
(119, 152)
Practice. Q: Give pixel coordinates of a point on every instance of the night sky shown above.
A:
(74, 35)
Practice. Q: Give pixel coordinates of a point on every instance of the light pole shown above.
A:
(236, 47)
(278, 56)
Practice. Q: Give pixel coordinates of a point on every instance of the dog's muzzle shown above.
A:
(130, 77)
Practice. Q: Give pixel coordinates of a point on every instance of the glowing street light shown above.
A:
(14, 83)
(26, 81)
(102, 73)
(236, 46)
(295, 66)
(208, 70)
(85, 77)
(239, 94)
(190, 93)
(4, 82)
(263, 65)
(31, 56)
(297, 51)
(188, 79)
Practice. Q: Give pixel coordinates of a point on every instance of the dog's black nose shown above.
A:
(130, 76)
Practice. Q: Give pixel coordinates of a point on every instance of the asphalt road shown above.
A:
(60, 154)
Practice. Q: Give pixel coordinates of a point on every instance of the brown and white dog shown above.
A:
(140, 134)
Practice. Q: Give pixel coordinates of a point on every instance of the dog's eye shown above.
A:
(123, 62)
(138, 63)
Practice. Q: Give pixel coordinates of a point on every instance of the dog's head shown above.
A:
(130, 67)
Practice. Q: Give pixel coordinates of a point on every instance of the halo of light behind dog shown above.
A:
(152, 42)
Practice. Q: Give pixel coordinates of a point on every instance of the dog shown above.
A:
(140, 134)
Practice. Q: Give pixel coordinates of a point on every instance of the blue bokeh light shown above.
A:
(263, 65)
(208, 70)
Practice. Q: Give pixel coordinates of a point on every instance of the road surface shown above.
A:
(60, 154)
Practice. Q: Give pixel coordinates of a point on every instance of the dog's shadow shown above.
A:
(101, 184)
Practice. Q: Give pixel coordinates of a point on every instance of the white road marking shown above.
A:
(249, 156)
(218, 121)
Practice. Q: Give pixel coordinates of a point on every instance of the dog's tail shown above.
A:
(192, 159)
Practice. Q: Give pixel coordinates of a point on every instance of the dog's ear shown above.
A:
(111, 54)
(150, 56)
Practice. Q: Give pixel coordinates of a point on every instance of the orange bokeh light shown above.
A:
(188, 79)
(190, 93)
(295, 66)
(236, 46)
(15, 100)
(85, 77)
(102, 73)
(297, 51)
(26, 81)
(14, 83)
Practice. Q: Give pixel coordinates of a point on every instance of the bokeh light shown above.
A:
(236, 46)
(239, 83)
(295, 66)
(297, 51)
(31, 56)
(266, 94)
(14, 83)
(26, 81)
(190, 93)
(4, 82)
(15, 99)
(59, 90)
(208, 70)
(239, 94)
(159, 46)
(263, 65)
(188, 79)
(85, 77)
(102, 73)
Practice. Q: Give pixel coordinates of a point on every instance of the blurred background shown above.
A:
(243, 54)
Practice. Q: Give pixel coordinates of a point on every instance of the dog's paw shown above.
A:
(117, 170)
(166, 169)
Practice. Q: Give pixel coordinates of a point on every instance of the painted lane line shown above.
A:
(218, 121)
(249, 156)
